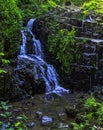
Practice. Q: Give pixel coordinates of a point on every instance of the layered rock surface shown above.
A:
(88, 70)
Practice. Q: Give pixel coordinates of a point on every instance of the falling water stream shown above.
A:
(47, 71)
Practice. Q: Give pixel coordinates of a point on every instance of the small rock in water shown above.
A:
(39, 114)
(31, 124)
(62, 114)
(46, 120)
(71, 112)
(62, 125)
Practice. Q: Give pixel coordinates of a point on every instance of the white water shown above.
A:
(23, 46)
(47, 71)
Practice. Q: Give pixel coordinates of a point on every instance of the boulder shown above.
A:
(25, 78)
(46, 120)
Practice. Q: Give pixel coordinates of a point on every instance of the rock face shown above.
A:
(88, 70)
(29, 44)
(40, 30)
(24, 78)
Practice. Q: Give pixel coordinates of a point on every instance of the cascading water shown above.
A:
(46, 71)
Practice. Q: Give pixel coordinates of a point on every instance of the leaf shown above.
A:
(3, 115)
(0, 123)
(17, 124)
(19, 118)
(5, 61)
(7, 113)
(5, 106)
(52, 3)
(2, 54)
(2, 71)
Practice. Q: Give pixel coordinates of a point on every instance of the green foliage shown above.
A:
(83, 126)
(95, 110)
(3, 62)
(35, 8)
(91, 103)
(4, 105)
(79, 2)
(92, 118)
(9, 14)
(2, 71)
(9, 25)
(51, 3)
(38, 8)
(77, 126)
(1, 54)
(100, 113)
(94, 6)
(63, 46)
(10, 120)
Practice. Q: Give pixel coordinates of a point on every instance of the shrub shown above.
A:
(63, 45)
(94, 6)
(9, 26)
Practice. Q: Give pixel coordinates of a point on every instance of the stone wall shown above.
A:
(88, 70)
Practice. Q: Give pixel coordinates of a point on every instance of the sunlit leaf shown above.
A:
(17, 124)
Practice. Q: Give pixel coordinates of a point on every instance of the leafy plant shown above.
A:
(9, 120)
(3, 73)
(63, 45)
(91, 103)
(92, 117)
(79, 2)
(9, 26)
(100, 114)
(93, 6)
(3, 62)
(77, 126)
(4, 105)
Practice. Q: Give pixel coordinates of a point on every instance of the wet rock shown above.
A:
(79, 119)
(25, 79)
(39, 114)
(31, 124)
(76, 22)
(13, 62)
(61, 114)
(40, 30)
(18, 110)
(98, 92)
(46, 120)
(71, 112)
(29, 44)
(63, 126)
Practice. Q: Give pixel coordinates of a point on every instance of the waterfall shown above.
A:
(46, 71)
